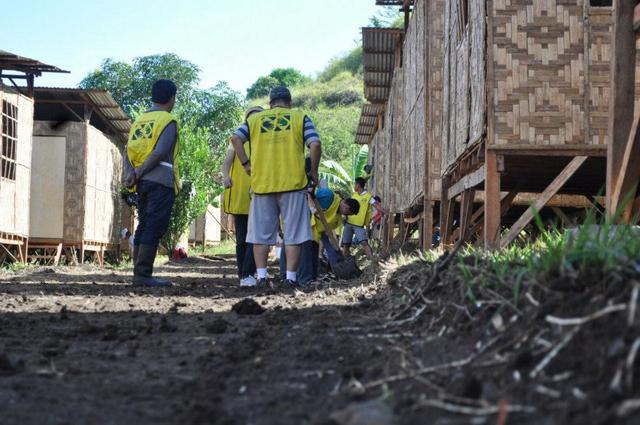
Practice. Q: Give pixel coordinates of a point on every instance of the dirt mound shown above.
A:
(248, 306)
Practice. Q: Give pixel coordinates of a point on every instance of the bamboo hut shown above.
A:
(402, 123)
(525, 108)
(79, 136)
(15, 154)
(206, 229)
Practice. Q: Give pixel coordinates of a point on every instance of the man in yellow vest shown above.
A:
(355, 230)
(151, 169)
(277, 139)
(236, 203)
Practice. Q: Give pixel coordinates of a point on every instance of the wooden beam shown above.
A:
(68, 108)
(622, 92)
(628, 175)
(554, 150)
(469, 181)
(491, 201)
(545, 196)
(427, 205)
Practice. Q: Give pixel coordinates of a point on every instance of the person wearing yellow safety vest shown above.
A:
(237, 200)
(151, 169)
(277, 139)
(355, 229)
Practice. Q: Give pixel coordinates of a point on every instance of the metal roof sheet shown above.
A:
(367, 124)
(107, 109)
(394, 2)
(13, 62)
(379, 46)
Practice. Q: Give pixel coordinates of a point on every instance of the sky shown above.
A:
(230, 40)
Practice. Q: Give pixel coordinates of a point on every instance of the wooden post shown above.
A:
(466, 210)
(491, 201)
(427, 204)
(621, 101)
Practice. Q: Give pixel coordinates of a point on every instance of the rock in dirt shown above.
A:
(372, 412)
(248, 306)
(218, 326)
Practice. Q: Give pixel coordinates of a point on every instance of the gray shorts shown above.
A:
(265, 211)
(350, 231)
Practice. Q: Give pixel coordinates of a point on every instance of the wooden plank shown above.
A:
(491, 201)
(636, 18)
(545, 196)
(469, 181)
(622, 91)
(629, 173)
(427, 207)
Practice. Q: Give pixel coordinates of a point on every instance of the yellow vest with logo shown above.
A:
(144, 135)
(236, 197)
(332, 214)
(277, 151)
(363, 218)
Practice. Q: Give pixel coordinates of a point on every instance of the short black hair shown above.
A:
(354, 205)
(361, 182)
(377, 198)
(162, 91)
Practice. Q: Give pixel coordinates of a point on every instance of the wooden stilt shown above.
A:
(491, 201)
(623, 150)
(466, 210)
(548, 193)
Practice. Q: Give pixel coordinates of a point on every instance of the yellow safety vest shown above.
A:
(277, 151)
(332, 214)
(363, 218)
(144, 135)
(236, 197)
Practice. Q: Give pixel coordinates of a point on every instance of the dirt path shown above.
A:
(81, 346)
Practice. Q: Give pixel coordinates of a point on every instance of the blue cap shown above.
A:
(325, 197)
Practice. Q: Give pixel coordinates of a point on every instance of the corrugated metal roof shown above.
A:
(394, 2)
(13, 62)
(368, 120)
(379, 46)
(101, 101)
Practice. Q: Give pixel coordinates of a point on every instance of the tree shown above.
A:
(261, 87)
(288, 77)
(130, 84)
(350, 62)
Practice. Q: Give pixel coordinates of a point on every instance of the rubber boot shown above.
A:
(143, 269)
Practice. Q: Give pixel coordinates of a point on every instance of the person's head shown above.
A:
(360, 184)
(125, 233)
(349, 207)
(253, 110)
(280, 96)
(163, 94)
(377, 199)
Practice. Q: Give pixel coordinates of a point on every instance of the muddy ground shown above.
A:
(79, 345)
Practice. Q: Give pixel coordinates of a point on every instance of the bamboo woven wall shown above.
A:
(102, 200)
(464, 84)
(435, 28)
(93, 171)
(14, 195)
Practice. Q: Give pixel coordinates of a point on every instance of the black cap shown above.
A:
(280, 93)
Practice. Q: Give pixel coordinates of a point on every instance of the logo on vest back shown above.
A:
(143, 130)
(275, 123)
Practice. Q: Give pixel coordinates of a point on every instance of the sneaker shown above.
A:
(288, 283)
(248, 281)
(265, 283)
